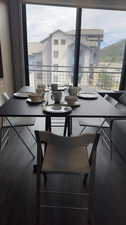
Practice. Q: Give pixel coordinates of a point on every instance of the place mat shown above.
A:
(22, 94)
(57, 109)
(88, 96)
(29, 100)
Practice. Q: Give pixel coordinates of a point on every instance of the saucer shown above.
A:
(37, 101)
(22, 94)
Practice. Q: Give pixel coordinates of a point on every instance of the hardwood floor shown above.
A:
(18, 189)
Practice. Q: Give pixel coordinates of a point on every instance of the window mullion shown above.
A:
(77, 46)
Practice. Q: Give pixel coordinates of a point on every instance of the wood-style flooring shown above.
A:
(18, 189)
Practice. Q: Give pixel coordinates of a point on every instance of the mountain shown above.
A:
(113, 53)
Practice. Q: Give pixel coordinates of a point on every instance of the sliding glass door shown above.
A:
(53, 44)
(51, 41)
(103, 34)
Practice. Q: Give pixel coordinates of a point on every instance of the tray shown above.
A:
(57, 109)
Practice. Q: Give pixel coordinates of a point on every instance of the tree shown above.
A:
(105, 81)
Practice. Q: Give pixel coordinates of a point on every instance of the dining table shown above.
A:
(98, 107)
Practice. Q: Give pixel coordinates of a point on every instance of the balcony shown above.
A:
(100, 78)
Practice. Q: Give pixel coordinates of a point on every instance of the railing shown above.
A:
(101, 78)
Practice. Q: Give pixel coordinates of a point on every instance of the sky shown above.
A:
(43, 20)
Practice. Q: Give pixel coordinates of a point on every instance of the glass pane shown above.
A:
(103, 36)
(51, 41)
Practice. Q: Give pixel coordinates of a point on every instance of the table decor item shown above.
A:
(88, 96)
(56, 96)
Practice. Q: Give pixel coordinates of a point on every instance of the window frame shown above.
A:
(122, 85)
(55, 40)
(63, 42)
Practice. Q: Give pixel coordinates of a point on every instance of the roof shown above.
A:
(56, 31)
(87, 32)
(72, 32)
(34, 47)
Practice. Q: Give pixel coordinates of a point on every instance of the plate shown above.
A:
(29, 100)
(57, 109)
(22, 94)
(88, 96)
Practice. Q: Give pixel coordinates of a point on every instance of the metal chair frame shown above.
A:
(17, 133)
(92, 162)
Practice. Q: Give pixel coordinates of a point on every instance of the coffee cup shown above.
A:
(54, 87)
(41, 87)
(40, 91)
(73, 90)
(56, 96)
(70, 100)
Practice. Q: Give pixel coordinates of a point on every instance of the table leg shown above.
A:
(48, 123)
(69, 122)
(111, 123)
(65, 127)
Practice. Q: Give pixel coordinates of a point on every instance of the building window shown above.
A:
(55, 42)
(56, 53)
(63, 42)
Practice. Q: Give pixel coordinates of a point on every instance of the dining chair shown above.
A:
(65, 155)
(102, 125)
(99, 123)
(8, 123)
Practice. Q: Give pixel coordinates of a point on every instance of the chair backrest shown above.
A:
(111, 100)
(122, 99)
(53, 139)
(3, 98)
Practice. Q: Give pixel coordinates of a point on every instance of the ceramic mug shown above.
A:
(54, 87)
(73, 90)
(56, 96)
(41, 87)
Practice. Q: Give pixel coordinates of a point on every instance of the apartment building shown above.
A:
(55, 54)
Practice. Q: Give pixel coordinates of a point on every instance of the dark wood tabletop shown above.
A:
(88, 108)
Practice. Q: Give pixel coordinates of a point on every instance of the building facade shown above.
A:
(55, 57)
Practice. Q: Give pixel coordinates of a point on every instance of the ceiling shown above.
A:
(99, 4)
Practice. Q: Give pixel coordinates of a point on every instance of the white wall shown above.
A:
(6, 84)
